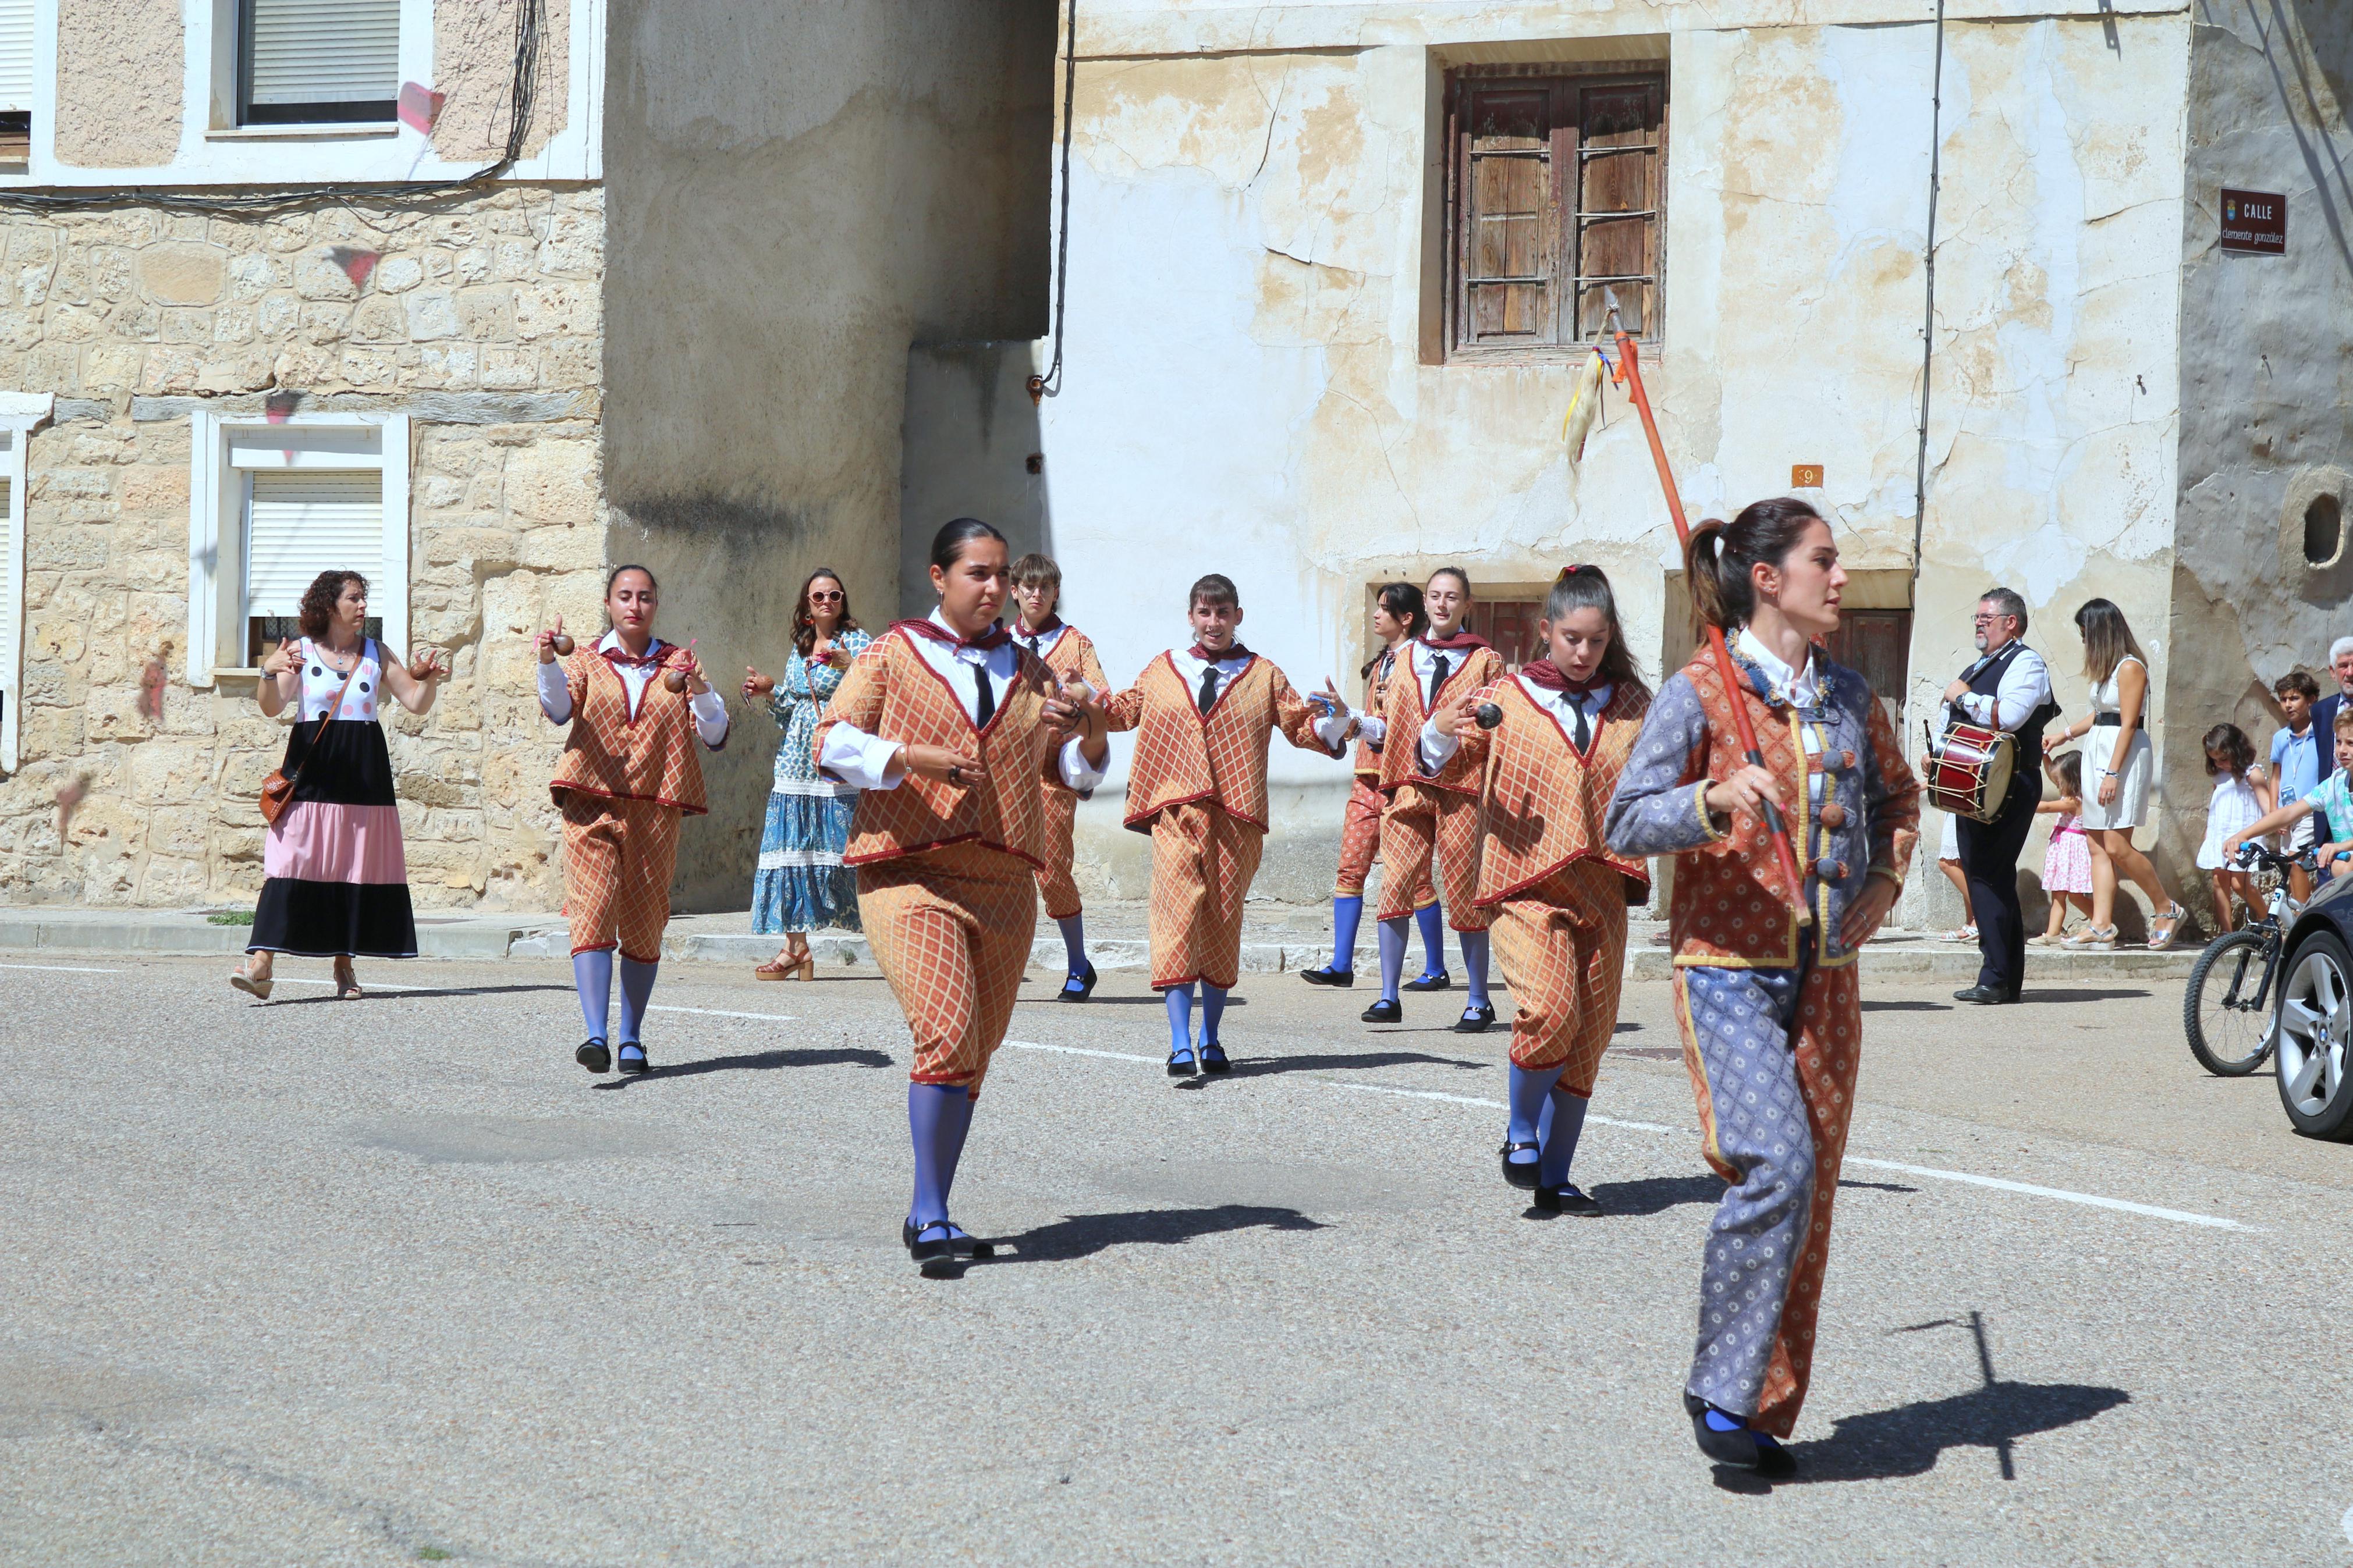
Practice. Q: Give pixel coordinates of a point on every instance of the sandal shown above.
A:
(2102, 938)
(788, 966)
(1962, 933)
(2173, 917)
(347, 979)
(246, 983)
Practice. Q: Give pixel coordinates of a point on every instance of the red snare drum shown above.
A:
(1969, 769)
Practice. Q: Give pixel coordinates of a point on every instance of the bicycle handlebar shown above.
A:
(2251, 853)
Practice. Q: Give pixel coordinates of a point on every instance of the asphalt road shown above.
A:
(383, 1280)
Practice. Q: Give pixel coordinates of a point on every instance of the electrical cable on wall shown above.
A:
(1929, 326)
(520, 102)
(1050, 383)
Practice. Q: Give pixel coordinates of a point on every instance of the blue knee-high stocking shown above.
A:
(637, 990)
(1178, 999)
(592, 974)
(1557, 1134)
(938, 1117)
(1474, 964)
(1074, 942)
(1346, 911)
(1433, 922)
(1527, 1093)
(1392, 958)
(1213, 1008)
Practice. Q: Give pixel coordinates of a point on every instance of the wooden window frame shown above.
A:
(1564, 154)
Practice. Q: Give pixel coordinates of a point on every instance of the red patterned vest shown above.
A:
(1544, 802)
(1183, 756)
(1403, 712)
(608, 753)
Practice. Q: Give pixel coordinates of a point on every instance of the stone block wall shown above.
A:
(481, 319)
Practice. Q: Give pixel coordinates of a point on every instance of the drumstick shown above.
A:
(1630, 375)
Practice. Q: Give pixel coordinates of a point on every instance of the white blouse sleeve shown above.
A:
(554, 692)
(864, 761)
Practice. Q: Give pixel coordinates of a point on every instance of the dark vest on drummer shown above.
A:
(1987, 682)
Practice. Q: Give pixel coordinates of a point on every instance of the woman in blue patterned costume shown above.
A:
(1769, 1007)
(801, 885)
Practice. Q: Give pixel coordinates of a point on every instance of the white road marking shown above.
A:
(722, 1013)
(2029, 1189)
(62, 968)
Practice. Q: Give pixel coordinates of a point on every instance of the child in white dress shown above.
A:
(2242, 797)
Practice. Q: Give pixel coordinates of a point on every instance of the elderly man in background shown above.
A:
(2323, 712)
(2008, 687)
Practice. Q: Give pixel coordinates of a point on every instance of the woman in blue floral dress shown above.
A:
(801, 885)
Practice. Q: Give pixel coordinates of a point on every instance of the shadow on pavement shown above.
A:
(2108, 995)
(1907, 1007)
(1259, 1067)
(1909, 1439)
(756, 1061)
(1653, 1195)
(1084, 1235)
(409, 992)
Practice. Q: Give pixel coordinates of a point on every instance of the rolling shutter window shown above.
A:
(314, 60)
(300, 522)
(16, 57)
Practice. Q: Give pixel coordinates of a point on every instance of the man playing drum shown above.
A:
(2008, 688)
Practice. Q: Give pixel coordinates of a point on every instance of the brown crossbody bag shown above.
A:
(278, 790)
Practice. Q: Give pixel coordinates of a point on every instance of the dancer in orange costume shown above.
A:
(1198, 785)
(1065, 650)
(947, 726)
(1770, 1012)
(1397, 620)
(1434, 817)
(629, 774)
(1563, 730)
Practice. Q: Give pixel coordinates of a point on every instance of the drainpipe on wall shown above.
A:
(1928, 324)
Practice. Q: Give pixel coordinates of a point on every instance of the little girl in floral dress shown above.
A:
(2067, 864)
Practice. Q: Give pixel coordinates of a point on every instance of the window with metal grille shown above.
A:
(298, 523)
(1556, 192)
(309, 62)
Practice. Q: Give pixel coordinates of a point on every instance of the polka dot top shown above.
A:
(321, 680)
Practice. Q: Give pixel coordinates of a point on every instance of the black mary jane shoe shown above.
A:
(1181, 1064)
(595, 1056)
(1566, 1198)
(962, 1243)
(1985, 995)
(1327, 975)
(1521, 1174)
(1213, 1057)
(1383, 1012)
(1440, 981)
(1078, 987)
(1741, 1448)
(936, 1258)
(637, 1063)
(1474, 1020)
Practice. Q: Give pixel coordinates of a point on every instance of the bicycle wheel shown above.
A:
(2229, 1029)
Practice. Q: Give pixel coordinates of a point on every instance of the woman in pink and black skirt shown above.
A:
(337, 881)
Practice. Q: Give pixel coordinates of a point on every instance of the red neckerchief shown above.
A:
(650, 659)
(1053, 623)
(1545, 674)
(1233, 650)
(996, 637)
(1456, 643)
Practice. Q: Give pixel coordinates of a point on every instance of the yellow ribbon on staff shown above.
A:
(1584, 405)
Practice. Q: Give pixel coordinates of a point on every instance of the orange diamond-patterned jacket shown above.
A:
(1181, 755)
(1368, 756)
(1545, 801)
(1073, 658)
(607, 753)
(893, 692)
(1403, 710)
(1730, 907)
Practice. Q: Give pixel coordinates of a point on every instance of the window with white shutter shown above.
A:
(16, 80)
(308, 62)
(298, 523)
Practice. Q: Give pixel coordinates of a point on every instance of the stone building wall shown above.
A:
(483, 321)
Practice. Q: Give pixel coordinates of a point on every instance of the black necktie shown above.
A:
(987, 698)
(1208, 688)
(1437, 677)
(1576, 711)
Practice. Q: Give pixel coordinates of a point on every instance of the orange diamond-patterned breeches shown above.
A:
(1772, 1054)
(1562, 945)
(1202, 863)
(1054, 880)
(1360, 841)
(617, 859)
(1422, 826)
(951, 930)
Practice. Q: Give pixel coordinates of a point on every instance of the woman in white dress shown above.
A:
(2118, 762)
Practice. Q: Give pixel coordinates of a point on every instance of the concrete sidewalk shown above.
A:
(1276, 937)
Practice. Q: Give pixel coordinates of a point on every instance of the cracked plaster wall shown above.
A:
(2267, 370)
(1246, 387)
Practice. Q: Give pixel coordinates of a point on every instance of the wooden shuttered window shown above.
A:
(317, 62)
(1557, 192)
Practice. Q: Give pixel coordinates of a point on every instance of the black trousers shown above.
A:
(1990, 852)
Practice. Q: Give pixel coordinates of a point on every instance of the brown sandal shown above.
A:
(347, 979)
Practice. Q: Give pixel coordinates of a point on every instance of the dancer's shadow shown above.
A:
(1653, 1195)
(1909, 1439)
(1084, 1235)
(1154, 1000)
(1259, 1067)
(756, 1061)
(409, 994)
(1907, 1007)
(2110, 994)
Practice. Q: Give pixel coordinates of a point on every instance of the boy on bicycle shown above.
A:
(2333, 800)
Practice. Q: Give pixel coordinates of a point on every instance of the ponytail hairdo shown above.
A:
(1588, 588)
(1403, 602)
(947, 544)
(1721, 555)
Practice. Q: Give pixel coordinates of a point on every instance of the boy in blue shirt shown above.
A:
(2332, 800)
(2295, 762)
